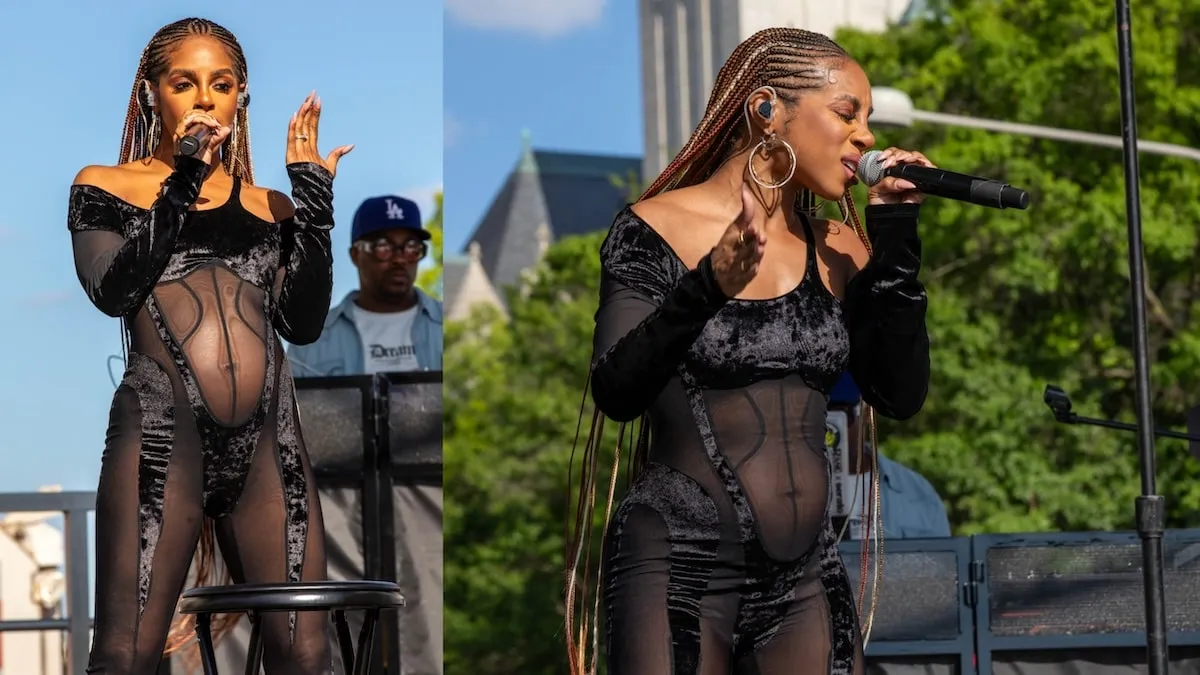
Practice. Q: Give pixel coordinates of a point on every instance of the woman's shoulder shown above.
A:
(674, 214)
(631, 238)
(121, 182)
(267, 203)
(683, 224)
(640, 247)
(106, 197)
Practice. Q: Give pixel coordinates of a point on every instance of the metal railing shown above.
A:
(980, 601)
(962, 598)
(78, 621)
(400, 419)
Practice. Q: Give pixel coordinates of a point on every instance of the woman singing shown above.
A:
(727, 313)
(203, 267)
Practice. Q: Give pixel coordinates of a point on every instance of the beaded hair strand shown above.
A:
(142, 133)
(792, 61)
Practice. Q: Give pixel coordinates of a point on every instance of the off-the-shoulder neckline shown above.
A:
(135, 207)
(808, 263)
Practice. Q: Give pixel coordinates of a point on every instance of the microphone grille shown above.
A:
(870, 167)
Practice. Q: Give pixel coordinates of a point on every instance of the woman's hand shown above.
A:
(302, 137)
(893, 190)
(195, 121)
(736, 256)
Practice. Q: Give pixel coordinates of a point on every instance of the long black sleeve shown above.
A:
(885, 315)
(647, 320)
(306, 286)
(120, 252)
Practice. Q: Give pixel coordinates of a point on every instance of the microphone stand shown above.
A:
(1150, 507)
(1060, 405)
(1151, 519)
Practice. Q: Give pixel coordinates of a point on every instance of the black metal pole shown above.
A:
(1151, 515)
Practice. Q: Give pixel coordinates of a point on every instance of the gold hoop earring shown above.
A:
(154, 135)
(768, 143)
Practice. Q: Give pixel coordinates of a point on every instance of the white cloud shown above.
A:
(545, 18)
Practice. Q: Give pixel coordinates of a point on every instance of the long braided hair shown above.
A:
(143, 128)
(143, 132)
(792, 61)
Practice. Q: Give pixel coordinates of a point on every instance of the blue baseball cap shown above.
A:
(389, 212)
(845, 392)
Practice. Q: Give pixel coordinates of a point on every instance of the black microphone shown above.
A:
(948, 184)
(189, 145)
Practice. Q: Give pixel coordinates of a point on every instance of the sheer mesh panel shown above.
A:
(217, 319)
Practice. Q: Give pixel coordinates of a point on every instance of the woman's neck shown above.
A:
(774, 204)
(165, 153)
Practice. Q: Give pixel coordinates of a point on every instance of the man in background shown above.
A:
(388, 325)
(910, 507)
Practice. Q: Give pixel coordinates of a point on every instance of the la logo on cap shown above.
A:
(394, 211)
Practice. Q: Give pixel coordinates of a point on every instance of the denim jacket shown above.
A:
(339, 349)
(911, 508)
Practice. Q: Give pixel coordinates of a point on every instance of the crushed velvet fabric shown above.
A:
(722, 558)
(204, 422)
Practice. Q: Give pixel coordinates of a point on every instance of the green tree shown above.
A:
(430, 278)
(512, 404)
(1021, 299)
(631, 185)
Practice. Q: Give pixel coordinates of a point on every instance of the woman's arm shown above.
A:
(638, 343)
(119, 259)
(305, 284)
(885, 315)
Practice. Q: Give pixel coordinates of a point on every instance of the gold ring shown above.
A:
(743, 265)
(302, 137)
(741, 238)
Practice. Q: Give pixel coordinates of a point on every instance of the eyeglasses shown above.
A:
(384, 249)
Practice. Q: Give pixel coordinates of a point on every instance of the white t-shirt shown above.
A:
(387, 340)
(849, 492)
(858, 494)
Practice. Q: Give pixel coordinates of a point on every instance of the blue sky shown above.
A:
(566, 70)
(68, 69)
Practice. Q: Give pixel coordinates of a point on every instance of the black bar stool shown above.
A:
(254, 599)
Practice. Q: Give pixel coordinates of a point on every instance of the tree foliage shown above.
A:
(1022, 299)
(512, 406)
(1017, 300)
(430, 278)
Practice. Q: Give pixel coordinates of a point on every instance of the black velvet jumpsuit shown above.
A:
(204, 423)
(722, 558)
